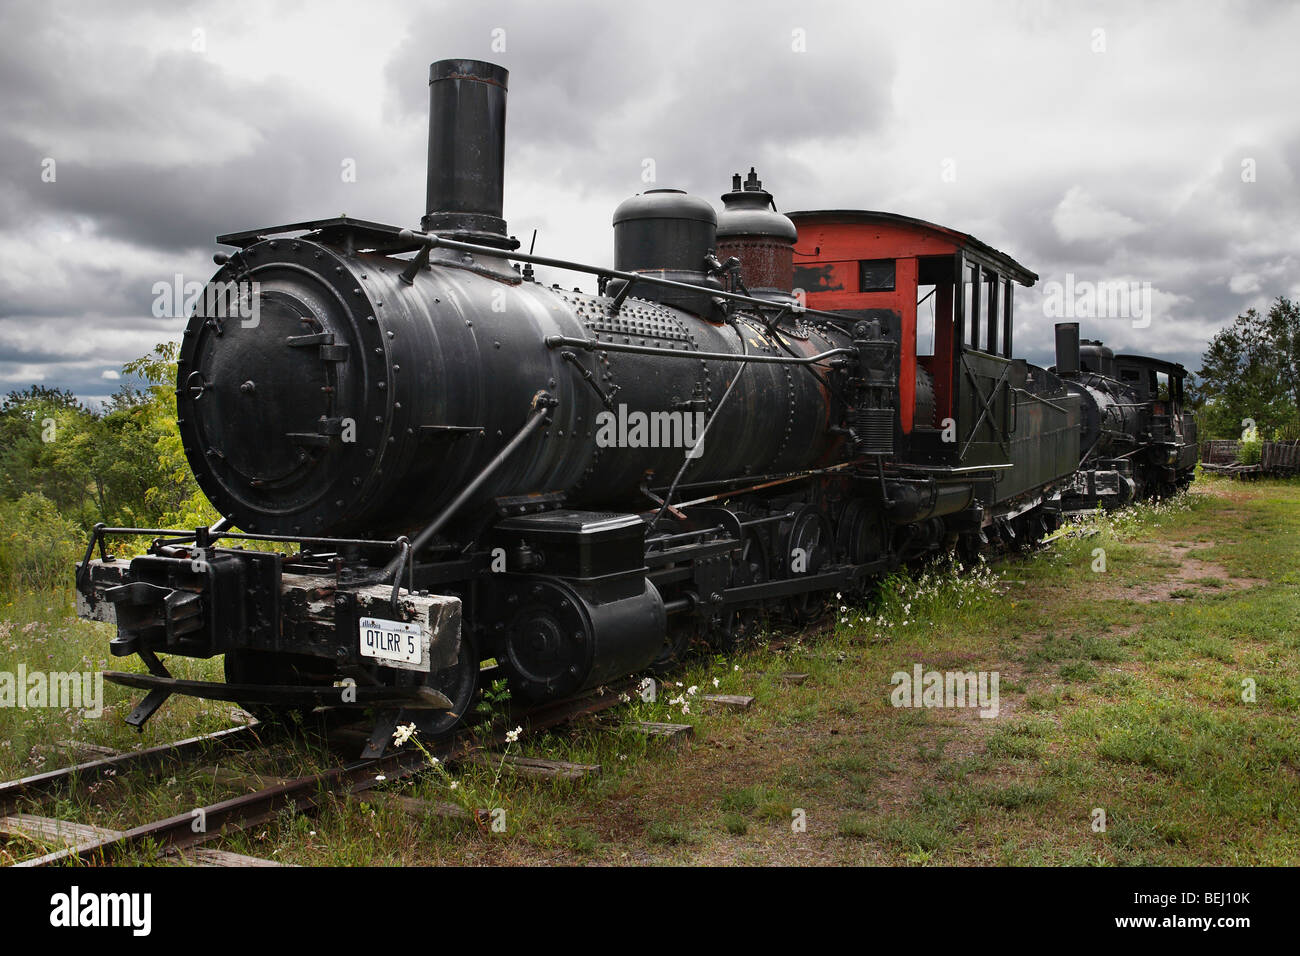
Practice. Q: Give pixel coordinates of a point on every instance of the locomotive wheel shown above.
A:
(969, 549)
(809, 545)
(678, 638)
(861, 537)
(460, 684)
(547, 651)
(733, 628)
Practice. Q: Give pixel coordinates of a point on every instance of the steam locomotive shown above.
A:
(452, 469)
(1138, 441)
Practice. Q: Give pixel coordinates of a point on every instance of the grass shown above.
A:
(1161, 692)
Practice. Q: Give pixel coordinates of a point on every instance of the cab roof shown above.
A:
(1004, 263)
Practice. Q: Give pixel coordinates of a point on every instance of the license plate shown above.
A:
(391, 641)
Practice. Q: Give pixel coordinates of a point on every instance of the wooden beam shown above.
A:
(240, 779)
(674, 734)
(535, 767)
(733, 701)
(202, 856)
(419, 809)
(76, 746)
(47, 831)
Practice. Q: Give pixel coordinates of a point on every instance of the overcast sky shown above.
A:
(1138, 142)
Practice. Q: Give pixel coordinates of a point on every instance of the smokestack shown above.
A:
(467, 139)
(1067, 348)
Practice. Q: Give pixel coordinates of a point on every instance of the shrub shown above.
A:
(38, 546)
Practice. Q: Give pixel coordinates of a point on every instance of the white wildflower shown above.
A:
(402, 734)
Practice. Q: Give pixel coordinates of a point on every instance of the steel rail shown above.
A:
(52, 782)
(308, 792)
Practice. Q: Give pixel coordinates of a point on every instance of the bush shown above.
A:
(38, 546)
(1250, 452)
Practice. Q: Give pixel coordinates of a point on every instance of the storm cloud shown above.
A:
(1120, 142)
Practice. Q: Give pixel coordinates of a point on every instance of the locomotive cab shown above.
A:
(1169, 431)
(965, 404)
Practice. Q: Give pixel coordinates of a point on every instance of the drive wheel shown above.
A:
(735, 627)
(460, 684)
(809, 546)
(679, 635)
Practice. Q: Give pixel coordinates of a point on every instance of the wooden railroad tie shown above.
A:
(48, 830)
(674, 734)
(535, 767)
(419, 809)
(733, 701)
(785, 678)
(87, 750)
(202, 856)
(241, 780)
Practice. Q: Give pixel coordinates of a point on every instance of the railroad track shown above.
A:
(303, 794)
(179, 833)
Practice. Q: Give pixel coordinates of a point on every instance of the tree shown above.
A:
(43, 435)
(174, 496)
(124, 465)
(1251, 372)
(1283, 328)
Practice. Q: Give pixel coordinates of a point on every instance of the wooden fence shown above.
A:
(1278, 458)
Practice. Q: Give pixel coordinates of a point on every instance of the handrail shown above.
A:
(592, 345)
(433, 241)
